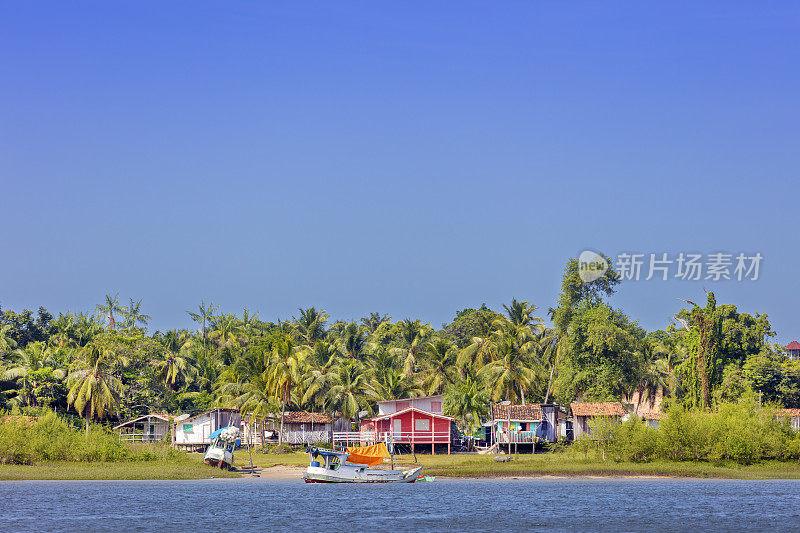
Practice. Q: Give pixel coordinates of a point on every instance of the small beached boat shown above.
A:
(220, 452)
(333, 467)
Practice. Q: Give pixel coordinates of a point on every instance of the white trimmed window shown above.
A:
(422, 424)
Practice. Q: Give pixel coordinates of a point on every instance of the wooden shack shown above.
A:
(302, 427)
(192, 433)
(793, 415)
(583, 412)
(151, 427)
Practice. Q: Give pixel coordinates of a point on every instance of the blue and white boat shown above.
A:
(333, 467)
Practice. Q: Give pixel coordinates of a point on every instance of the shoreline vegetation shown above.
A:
(712, 375)
(464, 467)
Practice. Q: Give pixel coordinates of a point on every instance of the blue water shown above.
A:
(458, 505)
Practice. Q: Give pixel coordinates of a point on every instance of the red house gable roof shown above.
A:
(414, 409)
(794, 345)
(597, 409)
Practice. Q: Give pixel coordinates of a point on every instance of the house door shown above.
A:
(397, 428)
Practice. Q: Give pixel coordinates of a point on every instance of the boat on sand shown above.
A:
(333, 467)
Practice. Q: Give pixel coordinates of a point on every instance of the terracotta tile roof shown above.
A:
(529, 411)
(304, 417)
(789, 412)
(794, 345)
(597, 409)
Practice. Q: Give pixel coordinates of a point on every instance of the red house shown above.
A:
(409, 422)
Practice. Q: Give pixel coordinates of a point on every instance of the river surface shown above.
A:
(458, 505)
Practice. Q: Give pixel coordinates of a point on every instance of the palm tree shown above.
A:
(254, 396)
(412, 335)
(94, 390)
(372, 322)
(36, 356)
(347, 391)
(133, 314)
(353, 341)
(7, 342)
(225, 330)
(109, 308)
(284, 373)
(509, 374)
(320, 361)
(438, 361)
(391, 383)
(175, 368)
(205, 313)
(310, 327)
(64, 327)
(467, 401)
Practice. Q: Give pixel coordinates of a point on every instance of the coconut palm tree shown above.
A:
(205, 314)
(64, 330)
(108, 309)
(372, 322)
(7, 342)
(353, 341)
(253, 396)
(226, 330)
(95, 390)
(347, 391)
(176, 367)
(413, 335)
(509, 375)
(133, 315)
(35, 357)
(391, 383)
(438, 365)
(285, 371)
(467, 402)
(310, 326)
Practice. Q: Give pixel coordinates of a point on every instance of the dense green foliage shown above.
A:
(109, 366)
(30, 440)
(742, 432)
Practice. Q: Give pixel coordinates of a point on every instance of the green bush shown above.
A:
(28, 440)
(741, 432)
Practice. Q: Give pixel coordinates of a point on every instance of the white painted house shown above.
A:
(192, 432)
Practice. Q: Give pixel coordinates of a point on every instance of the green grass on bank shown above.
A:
(189, 466)
(575, 465)
(567, 464)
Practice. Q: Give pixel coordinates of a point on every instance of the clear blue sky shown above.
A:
(411, 158)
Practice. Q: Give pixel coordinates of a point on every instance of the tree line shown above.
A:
(109, 365)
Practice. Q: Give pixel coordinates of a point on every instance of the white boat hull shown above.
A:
(357, 474)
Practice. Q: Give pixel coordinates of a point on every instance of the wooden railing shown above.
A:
(372, 437)
(522, 437)
(141, 437)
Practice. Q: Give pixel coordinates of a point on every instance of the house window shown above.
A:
(187, 428)
(422, 424)
(403, 405)
(436, 407)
